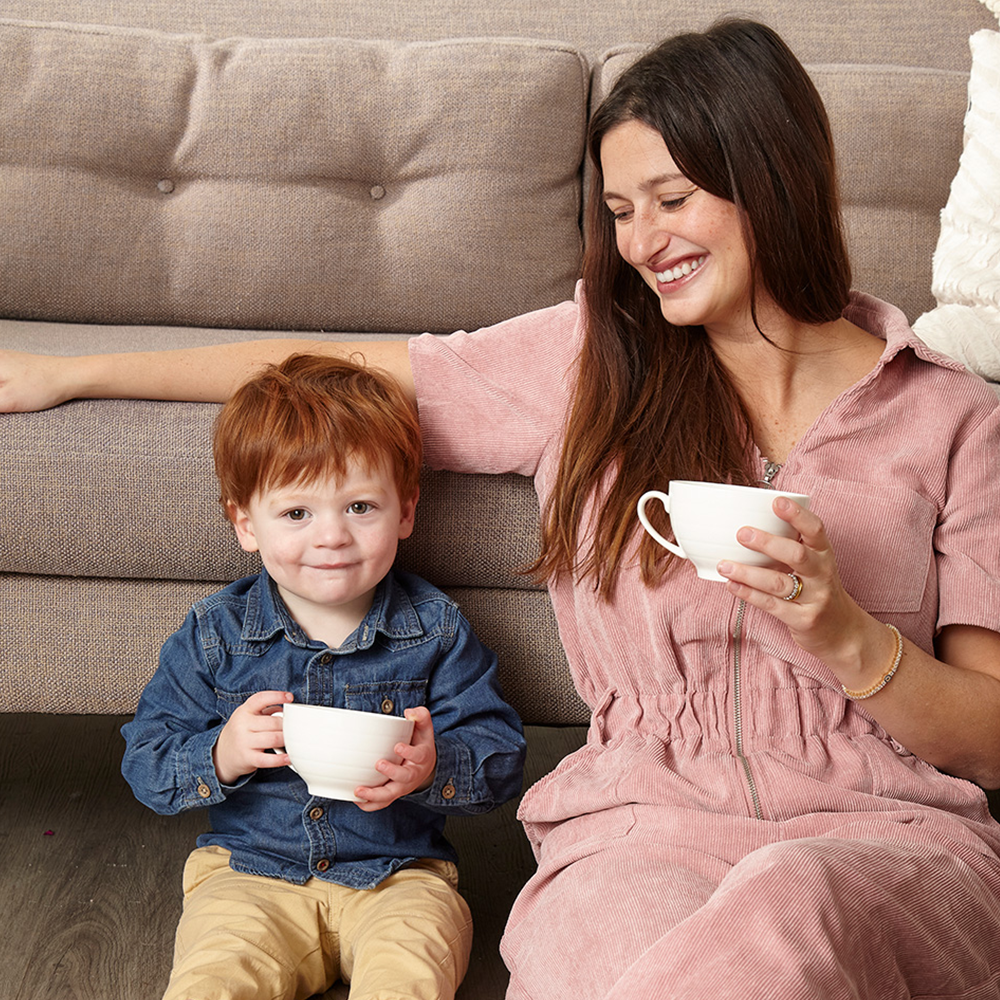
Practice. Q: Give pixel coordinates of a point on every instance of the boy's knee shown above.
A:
(411, 934)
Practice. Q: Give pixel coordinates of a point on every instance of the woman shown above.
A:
(771, 799)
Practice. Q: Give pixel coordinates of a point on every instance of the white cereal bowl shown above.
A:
(335, 750)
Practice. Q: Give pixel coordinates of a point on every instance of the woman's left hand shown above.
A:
(823, 614)
(944, 711)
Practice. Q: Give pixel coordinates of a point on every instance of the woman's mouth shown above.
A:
(682, 270)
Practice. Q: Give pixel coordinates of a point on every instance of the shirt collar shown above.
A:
(392, 613)
(886, 321)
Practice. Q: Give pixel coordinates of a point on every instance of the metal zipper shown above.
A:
(738, 709)
(771, 469)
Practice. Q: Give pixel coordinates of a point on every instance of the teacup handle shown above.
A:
(641, 510)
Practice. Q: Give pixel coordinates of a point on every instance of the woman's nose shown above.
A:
(649, 237)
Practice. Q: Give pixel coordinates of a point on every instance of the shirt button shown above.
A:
(322, 865)
(204, 791)
(387, 706)
(325, 659)
(448, 792)
(316, 813)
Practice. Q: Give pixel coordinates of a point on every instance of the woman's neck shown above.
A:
(788, 379)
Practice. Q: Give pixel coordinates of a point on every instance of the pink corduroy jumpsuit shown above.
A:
(734, 827)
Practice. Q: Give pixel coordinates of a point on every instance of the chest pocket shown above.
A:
(883, 538)
(389, 697)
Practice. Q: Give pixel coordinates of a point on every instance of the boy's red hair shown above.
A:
(303, 419)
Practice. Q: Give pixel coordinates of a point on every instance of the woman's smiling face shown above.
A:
(686, 244)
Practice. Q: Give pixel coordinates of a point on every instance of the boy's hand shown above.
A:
(251, 730)
(416, 771)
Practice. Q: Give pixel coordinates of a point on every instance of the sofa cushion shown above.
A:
(285, 183)
(898, 136)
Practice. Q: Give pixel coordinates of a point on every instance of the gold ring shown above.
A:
(796, 587)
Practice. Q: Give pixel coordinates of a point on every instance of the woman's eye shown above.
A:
(673, 203)
(360, 507)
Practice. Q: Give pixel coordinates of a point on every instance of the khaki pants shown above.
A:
(247, 936)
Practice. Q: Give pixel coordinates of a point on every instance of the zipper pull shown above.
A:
(771, 469)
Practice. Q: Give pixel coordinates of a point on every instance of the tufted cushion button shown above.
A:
(166, 186)
(377, 192)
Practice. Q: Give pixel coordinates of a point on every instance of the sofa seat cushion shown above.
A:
(321, 183)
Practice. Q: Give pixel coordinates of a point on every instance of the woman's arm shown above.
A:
(200, 374)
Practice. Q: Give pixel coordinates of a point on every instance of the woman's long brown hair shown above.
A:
(743, 121)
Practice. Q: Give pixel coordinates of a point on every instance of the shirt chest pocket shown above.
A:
(388, 697)
(883, 539)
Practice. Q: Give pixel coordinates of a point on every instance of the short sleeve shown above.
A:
(495, 400)
(967, 540)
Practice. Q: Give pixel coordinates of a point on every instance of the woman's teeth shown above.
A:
(680, 271)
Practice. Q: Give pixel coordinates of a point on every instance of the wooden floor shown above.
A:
(90, 879)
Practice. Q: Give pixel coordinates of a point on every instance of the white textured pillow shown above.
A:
(966, 276)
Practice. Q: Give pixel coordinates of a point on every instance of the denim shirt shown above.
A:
(413, 648)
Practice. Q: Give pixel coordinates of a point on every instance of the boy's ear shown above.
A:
(243, 527)
(408, 509)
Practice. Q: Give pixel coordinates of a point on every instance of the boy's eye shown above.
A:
(297, 514)
(360, 507)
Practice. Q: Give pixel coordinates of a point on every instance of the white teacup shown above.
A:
(706, 516)
(336, 749)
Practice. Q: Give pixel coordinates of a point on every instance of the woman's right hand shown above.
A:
(34, 381)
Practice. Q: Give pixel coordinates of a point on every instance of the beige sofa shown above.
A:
(183, 173)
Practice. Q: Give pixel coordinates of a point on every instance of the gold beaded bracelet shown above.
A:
(886, 677)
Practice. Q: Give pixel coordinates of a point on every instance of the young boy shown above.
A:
(318, 462)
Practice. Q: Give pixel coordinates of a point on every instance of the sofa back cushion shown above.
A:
(898, 136)
(286, 183)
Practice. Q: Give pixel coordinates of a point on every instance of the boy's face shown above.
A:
(329, 543)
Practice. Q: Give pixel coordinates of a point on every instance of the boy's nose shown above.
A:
(332, 532)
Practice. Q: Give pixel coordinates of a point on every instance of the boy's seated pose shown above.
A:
(319, 462)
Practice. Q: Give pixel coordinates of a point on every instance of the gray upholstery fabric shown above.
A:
(286, 183)
(142, 472)
(192, 173)
(86, 645)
